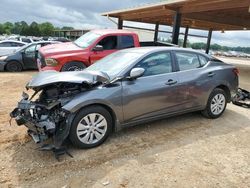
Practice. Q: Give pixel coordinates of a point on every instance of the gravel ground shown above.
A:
(183, 151)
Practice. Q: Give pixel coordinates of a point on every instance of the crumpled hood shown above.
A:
(51, 77)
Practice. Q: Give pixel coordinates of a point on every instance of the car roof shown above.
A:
(41, 42)
(152, 49)
(13, 41)
(112, 31)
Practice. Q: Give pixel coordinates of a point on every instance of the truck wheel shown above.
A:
(73, 66)
(216, 104)
(91, 127)
(13, 66)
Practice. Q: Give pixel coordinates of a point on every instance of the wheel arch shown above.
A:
(14, 60)
(227, 91)
(73, 61)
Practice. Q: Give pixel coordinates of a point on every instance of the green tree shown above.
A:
(8, 27)
(34, 29)
(198, 45)
(1, 29)
(24, 28)
(17, 28)
(46, 29)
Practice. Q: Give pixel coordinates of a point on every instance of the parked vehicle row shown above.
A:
(125, 88)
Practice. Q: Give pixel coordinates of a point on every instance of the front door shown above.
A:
(155, 93)
(29, 57)
(109, 44)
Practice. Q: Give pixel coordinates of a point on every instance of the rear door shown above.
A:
(194, 79)
(156, 92)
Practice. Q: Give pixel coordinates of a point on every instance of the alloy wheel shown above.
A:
(91, 128)
(218, 104)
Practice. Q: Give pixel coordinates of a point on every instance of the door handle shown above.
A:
(211, 74)
(171, 82)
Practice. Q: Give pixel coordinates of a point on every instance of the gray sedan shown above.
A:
(128, 87)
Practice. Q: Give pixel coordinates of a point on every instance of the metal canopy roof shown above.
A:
(197, 14)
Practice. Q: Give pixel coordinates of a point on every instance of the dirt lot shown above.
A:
(184, 151)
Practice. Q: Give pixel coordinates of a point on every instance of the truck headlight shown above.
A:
(3, 58)
(51, 62)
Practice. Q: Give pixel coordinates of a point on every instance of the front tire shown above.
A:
(216, 104)
(91, 127)
(13, 66)
(73, 66)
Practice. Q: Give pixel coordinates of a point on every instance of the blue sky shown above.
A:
(86, 15)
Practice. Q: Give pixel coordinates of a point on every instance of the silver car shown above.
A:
(128, 87)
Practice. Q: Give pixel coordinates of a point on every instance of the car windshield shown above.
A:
(115, 63)
(87, 39)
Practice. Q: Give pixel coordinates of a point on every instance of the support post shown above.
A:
(120, 23)
(176, 28)
(209, 40)
(156, 32)
(185, 37)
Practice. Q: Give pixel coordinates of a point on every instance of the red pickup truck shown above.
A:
(87, 49)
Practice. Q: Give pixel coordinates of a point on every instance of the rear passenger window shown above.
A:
(126, 41)
(5, 44)
(203, 60)
(155, 64)
(187, 61)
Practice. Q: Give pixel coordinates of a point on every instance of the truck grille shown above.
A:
(42, 60)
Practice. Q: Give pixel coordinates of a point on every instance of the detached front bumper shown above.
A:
(2, 65)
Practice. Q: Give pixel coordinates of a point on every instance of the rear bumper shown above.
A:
(2, 65)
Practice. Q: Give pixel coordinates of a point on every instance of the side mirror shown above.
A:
(98, 48)
(136, 73)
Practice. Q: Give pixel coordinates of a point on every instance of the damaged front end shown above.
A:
(42, 113)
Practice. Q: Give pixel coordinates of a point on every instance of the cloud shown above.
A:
(86, 15)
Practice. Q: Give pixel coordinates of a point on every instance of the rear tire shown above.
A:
(216, 104)
(73, 66)
(13, 66)
(91, 127)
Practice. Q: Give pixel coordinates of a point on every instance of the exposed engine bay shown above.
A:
(42, 113)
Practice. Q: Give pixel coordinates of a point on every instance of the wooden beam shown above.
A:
(214, 5)
(148, 14)
(220, 19)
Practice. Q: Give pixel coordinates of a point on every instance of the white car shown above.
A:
(10, 46)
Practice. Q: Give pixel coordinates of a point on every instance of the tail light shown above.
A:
(236, 71)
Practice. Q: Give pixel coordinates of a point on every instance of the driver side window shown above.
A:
(155, 64)
(109, 43)
(30, 49)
